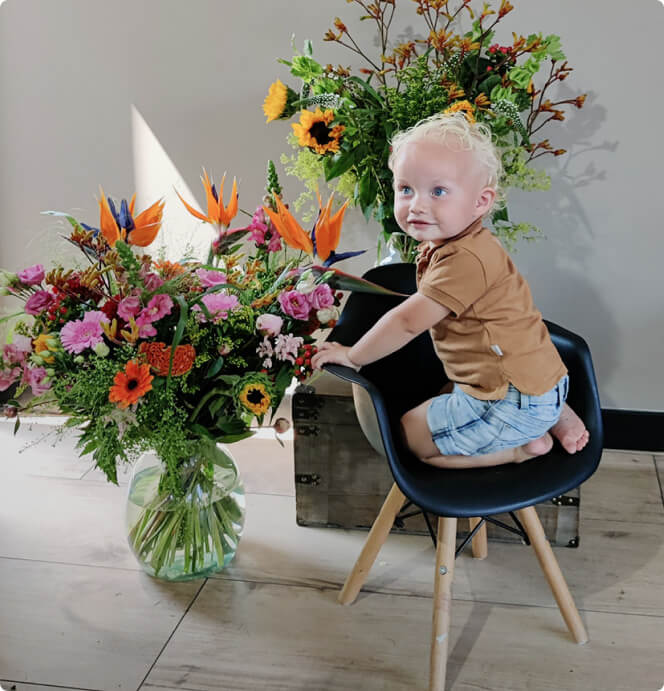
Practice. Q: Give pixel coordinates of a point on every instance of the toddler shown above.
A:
(508, 384)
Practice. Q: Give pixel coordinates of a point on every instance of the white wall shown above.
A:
(83, 81)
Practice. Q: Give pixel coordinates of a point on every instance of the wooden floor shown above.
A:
(77, 613)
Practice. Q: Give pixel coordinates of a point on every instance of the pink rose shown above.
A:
(269, 324)
(209, 279)
(295, 304)
(322, 296)
(129, 307)
(38, 302)
(32, 276)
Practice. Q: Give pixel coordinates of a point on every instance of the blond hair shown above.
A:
(465, 135)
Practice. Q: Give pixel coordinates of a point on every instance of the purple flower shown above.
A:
(78, 335)
(129, 307)
(209, 279)
(8, 377)
(321, 296)
(32, 276)
(218, 305)
(295, 304)
(38, 302)
(269, 324)
(34, 377)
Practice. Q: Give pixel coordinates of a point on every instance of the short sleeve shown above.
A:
(455, 280)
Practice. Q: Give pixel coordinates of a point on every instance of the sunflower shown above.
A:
(465, 106)
(254, 393)
(130, 385)
(278, 104)
(313, 131)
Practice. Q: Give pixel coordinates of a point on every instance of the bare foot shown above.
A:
(570, 431)
(538, 447)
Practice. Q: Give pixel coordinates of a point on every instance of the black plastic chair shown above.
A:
(413, 374)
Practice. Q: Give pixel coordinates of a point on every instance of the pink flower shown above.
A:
(95, 317)
(145, 328)
(266, 351)
(16, 352)
(34, 377)
(78, 335)
(269, 324)
(38, 302)
(129, 307)
(286, 347)
(209, 279)
(32, 276)
(8, 377)
(295, 304)
(152, 281)
(322, 296)
(217, 305)
(275, 243)
(158, 307)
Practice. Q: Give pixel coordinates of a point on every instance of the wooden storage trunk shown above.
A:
(341, 482)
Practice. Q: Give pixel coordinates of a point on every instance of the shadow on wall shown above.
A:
(558, 266)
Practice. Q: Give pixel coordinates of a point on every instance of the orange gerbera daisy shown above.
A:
(130, 385)
(158, 355)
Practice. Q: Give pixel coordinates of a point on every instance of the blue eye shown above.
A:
(404, 189)
(439, 191)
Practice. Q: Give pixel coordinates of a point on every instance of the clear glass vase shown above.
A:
(191, 533)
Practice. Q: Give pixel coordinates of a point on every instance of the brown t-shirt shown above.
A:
(494, 334)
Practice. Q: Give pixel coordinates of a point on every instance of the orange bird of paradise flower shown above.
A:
(122, 225)
(217, 213)
(324, 237)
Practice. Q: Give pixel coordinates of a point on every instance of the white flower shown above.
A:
(327, 314)
(286, 347)
(307, 283)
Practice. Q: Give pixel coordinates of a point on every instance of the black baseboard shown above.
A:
(636, 430)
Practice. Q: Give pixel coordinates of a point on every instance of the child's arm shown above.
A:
(392, 331)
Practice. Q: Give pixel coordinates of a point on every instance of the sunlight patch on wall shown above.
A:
(156, 177)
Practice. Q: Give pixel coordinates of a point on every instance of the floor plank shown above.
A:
(244, 636)
(624, 488)
(84, 627)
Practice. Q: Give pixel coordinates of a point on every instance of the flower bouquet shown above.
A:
(345, 121)
(173, 361)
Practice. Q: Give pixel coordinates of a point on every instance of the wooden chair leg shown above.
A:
(442, 601)
(479, 542)
(554, 576)
(377, 536)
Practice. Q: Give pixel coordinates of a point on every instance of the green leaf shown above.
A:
(17, 424)
(500, 215)
(368, 89)
(216, 366)
(308, 48)
(338, 164)
(367, 191)
(71, 219)
(231, 438)
(202, 431)
(179, 330)
(11, 316)
(343, 281)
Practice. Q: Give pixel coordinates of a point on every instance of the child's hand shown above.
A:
(334, 353)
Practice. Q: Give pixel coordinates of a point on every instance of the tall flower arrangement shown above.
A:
(145, 354)
(344, 121)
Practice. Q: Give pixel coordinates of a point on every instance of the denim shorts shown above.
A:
(467, 426)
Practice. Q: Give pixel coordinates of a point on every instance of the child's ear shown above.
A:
(485, 200)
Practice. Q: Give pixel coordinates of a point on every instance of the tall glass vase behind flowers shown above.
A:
(173, 362)
(345, 121)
